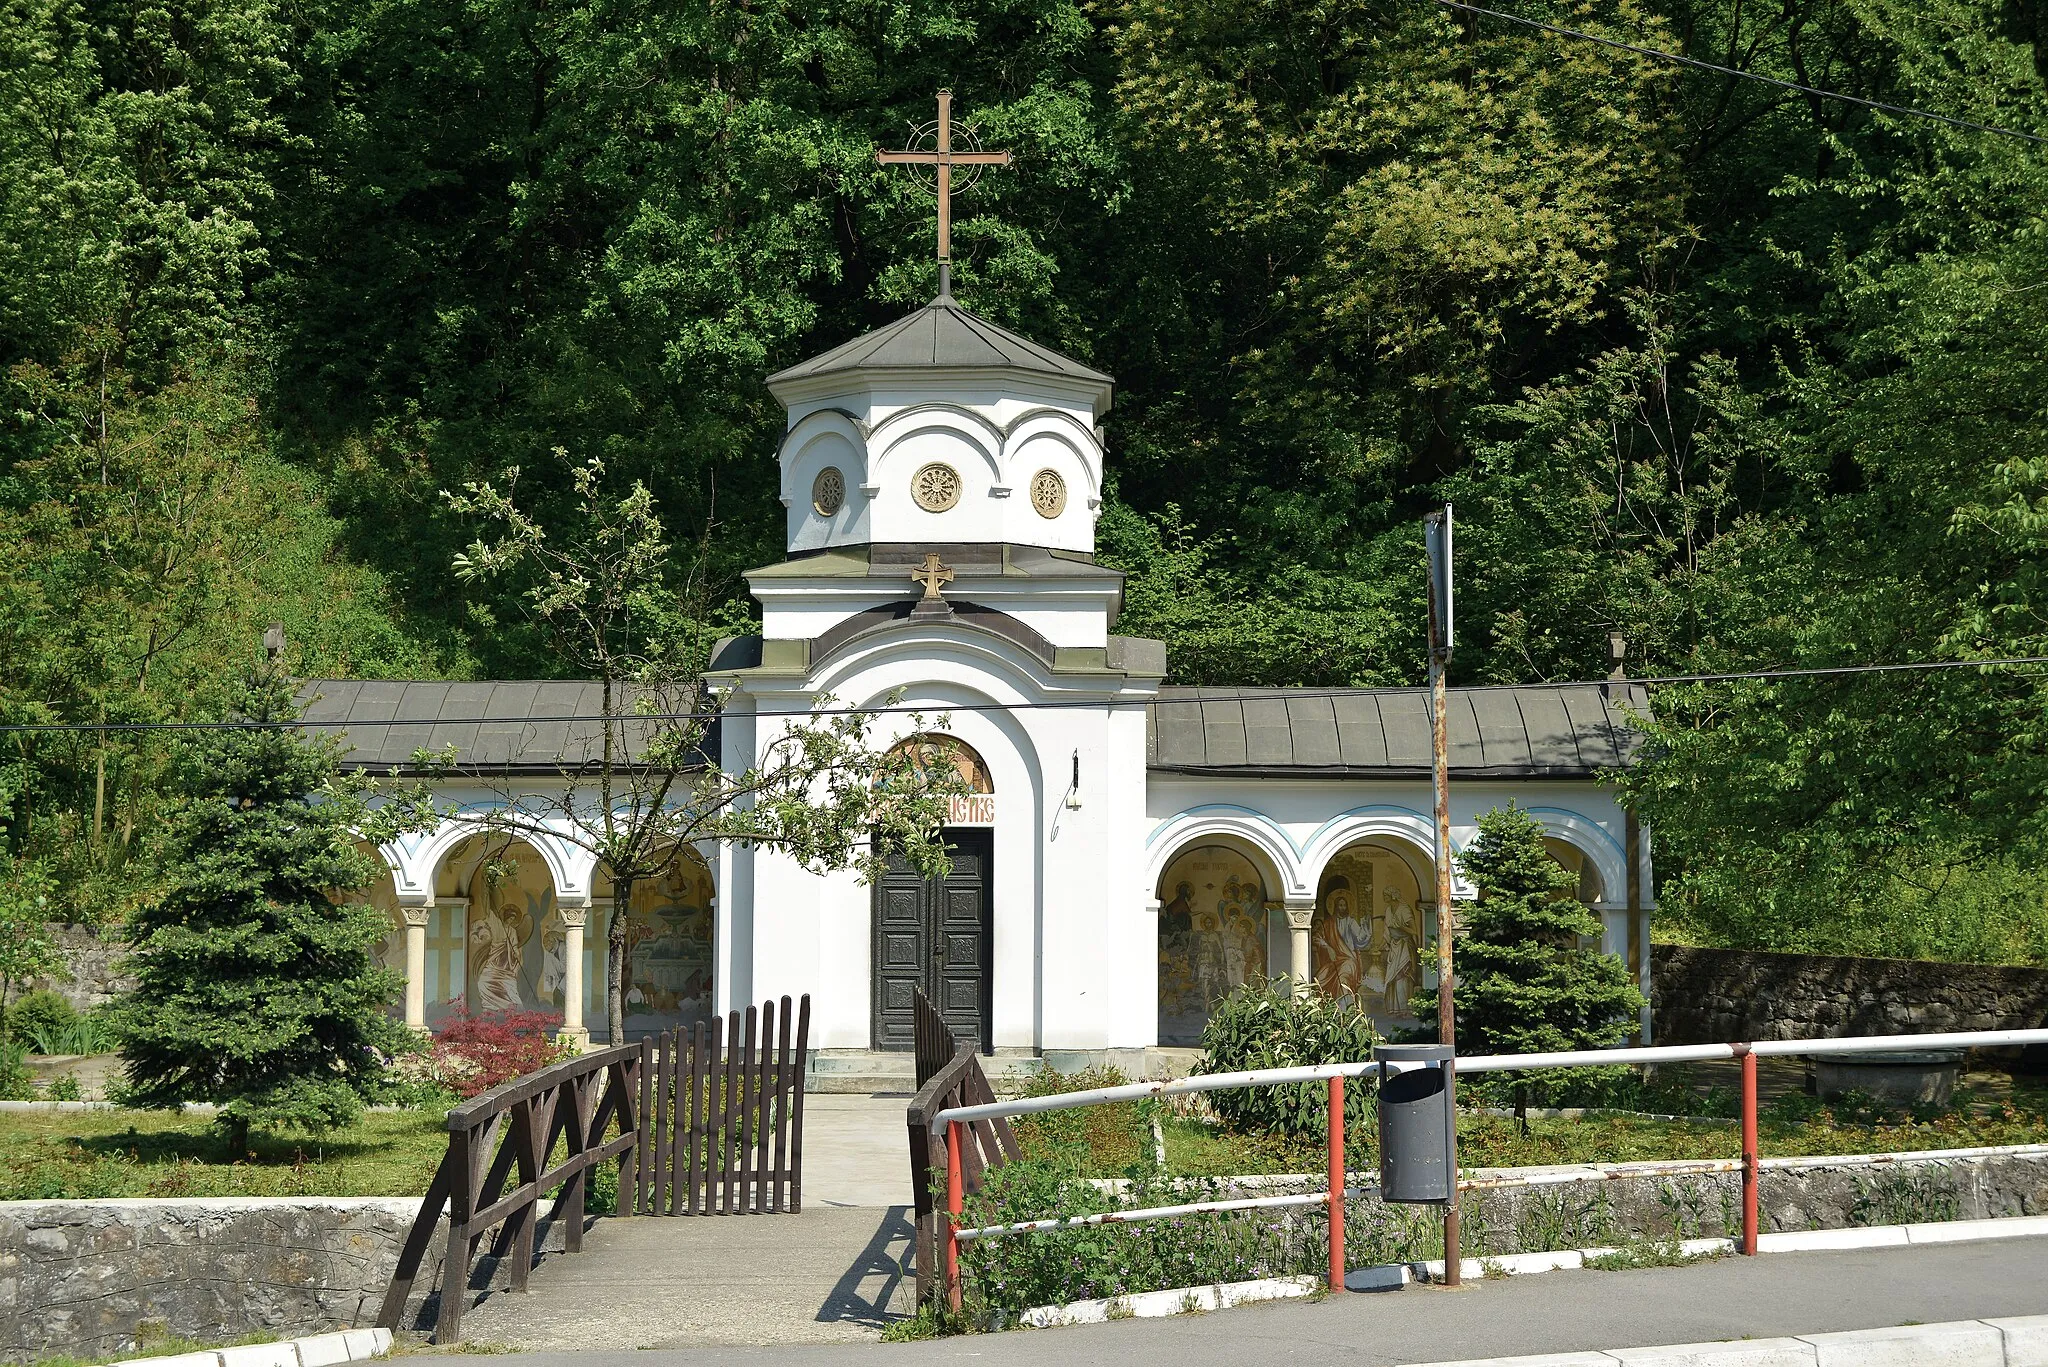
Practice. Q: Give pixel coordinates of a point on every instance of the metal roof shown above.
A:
(1535, 731)
(502, 726)
(941, 335)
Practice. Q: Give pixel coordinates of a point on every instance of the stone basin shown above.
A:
(1902, 1076)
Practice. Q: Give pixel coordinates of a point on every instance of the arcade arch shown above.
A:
(671, 926)
(1372, 939)
(1216, 929)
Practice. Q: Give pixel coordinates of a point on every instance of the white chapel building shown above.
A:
(1134, 850)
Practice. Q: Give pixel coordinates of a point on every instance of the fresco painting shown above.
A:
(668, 943)
(1367, 943)
(1212, 936)
(510, 919)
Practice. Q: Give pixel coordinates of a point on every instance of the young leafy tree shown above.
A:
(649, 787)
(255, 989)
(1526, 982)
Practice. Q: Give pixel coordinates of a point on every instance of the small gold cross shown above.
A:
(932, 575)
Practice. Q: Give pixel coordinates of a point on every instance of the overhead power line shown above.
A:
(1680, 59)
(1254, 694)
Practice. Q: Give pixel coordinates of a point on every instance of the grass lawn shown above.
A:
(1117, 1137)
(94, 1154)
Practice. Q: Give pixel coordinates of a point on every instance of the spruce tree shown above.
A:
(254, 988)
(1526, 980)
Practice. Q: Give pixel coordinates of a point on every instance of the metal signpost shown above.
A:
(1437, 535)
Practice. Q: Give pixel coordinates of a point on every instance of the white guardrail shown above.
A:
(1340, 1188)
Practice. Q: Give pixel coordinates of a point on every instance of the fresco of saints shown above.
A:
(497, 945)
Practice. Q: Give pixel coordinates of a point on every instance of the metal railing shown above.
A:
(953, 1120)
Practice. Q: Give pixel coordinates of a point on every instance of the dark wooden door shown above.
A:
(934, 935)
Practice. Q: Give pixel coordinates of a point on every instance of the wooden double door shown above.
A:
(935, 935)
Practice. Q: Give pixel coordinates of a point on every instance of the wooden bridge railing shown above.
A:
(709, 1122)
(575, 1100)
(949, 1074)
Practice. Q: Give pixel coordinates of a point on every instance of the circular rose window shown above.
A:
(936, 487)
(1048, 493)
(828, 491)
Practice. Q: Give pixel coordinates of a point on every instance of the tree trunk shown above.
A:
(621, 975)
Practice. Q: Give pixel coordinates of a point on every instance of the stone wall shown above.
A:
(1902, 1191)
(1714, 996)
(91, 972)
(85, 1277)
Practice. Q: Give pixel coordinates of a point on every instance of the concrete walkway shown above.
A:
(833, 1274)
(1561, 1312)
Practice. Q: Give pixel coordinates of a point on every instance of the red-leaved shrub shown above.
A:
(473, 1053)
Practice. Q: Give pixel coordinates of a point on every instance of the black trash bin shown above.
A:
(1416, 1115)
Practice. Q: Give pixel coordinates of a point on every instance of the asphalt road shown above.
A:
(1781, 1293)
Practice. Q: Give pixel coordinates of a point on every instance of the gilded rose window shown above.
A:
(936, 487)
(828, 491)
(1048, 493)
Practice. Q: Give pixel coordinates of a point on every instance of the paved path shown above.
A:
(1784, 1293)
(833, 1274)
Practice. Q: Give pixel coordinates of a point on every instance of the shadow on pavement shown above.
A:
(880, 1264)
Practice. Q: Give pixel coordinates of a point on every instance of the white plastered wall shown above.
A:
(1068, 918)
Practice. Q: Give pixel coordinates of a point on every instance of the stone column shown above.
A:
(416, 919)
(1300, 914)
(573, 1030)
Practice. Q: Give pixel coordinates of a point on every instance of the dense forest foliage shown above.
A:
(1752, 376)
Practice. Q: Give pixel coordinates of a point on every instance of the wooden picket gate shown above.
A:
(708, 1121)
(724, 1108)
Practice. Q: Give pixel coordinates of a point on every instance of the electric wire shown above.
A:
(1715, 67)
(1253, 694)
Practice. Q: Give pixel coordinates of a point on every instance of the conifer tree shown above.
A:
(255, 989)
(1526, 980)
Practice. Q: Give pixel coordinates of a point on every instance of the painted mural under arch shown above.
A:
(669, 944)
(1372, 941)
(1212, 935)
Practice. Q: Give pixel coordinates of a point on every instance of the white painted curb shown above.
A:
(1393, 1276)
(1150, 1305)
(1964, 1343)
(320, 1350)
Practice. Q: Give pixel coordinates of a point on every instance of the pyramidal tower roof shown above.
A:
(941, 336)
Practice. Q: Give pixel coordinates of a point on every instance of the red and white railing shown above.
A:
(955, 1119)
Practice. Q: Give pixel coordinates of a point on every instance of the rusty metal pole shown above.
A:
(1750, 1174)
(1446, 1011)
(1336, 1184)
(954, 1137)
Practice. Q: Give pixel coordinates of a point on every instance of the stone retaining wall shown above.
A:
(1906, 1191)
(1712, 996)
(91, 967)
(84, 1277)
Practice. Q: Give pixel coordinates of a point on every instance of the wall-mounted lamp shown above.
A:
(1074, 790)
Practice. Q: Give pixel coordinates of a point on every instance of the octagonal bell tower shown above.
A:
(942, 428)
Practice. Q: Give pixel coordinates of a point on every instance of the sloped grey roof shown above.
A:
(503, 726)
(941, 335)
(1538, 731)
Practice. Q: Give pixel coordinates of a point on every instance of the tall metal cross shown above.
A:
(943, 159)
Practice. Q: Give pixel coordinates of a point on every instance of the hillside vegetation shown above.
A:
(1751, 376)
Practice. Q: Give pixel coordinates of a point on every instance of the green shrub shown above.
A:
(64, 1088)
(40, 1016)
(15, 1084)
(1268, 1024)
(1114, 1138)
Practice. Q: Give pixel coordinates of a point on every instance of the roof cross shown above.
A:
(943, 159)
(932, 576)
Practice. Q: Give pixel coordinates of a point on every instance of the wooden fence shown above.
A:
(727, 1117)
(708, 1121)
(948, 1074)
